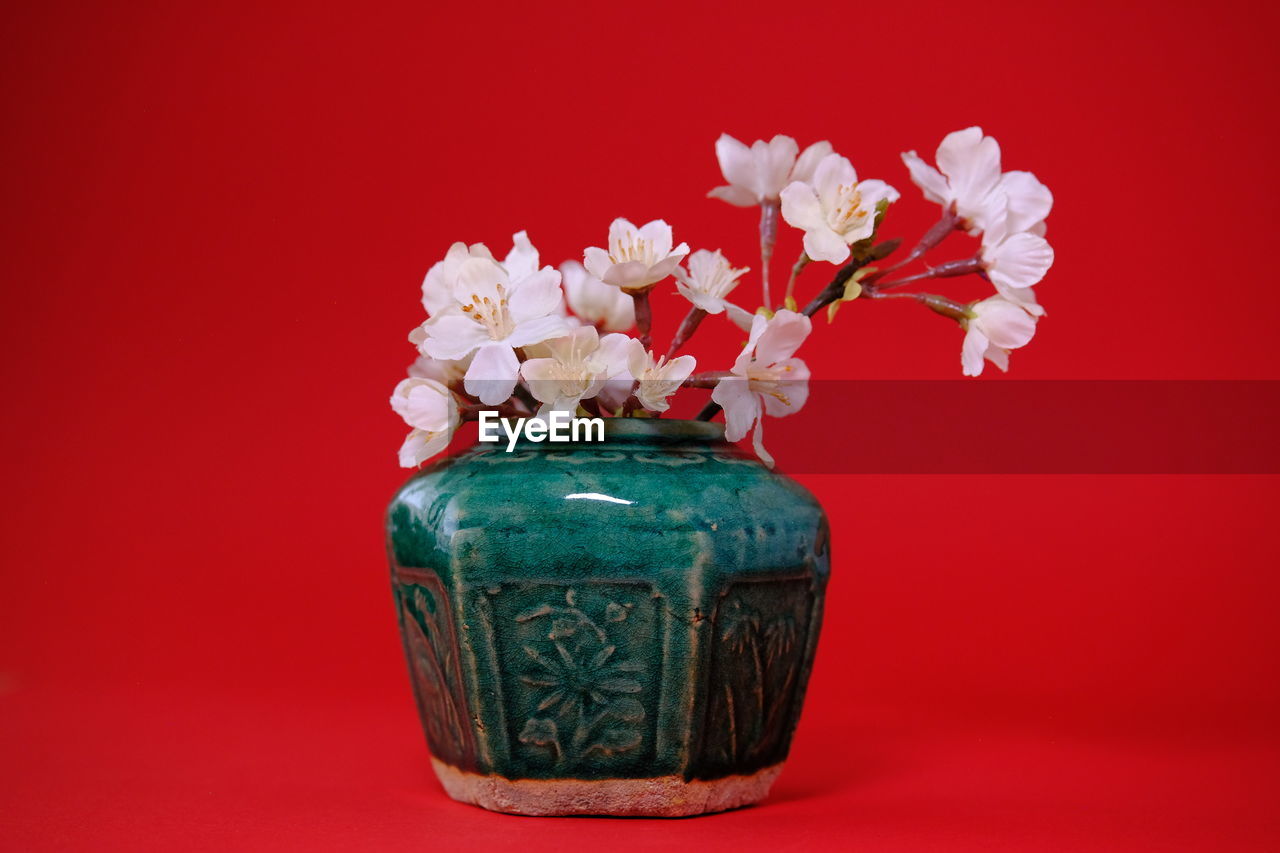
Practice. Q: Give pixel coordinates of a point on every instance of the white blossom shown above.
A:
(708, 281)
(995, 326)
(657, 379)
(836, 210)
(437, 288)
(493, 316)
(1015, 261)
(428, 407)
(637, 258)
(766, 378)
(757, 175)
(969, 177)
(576, 368)
(609, 308)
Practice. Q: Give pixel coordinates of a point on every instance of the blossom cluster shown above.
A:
(515, 336)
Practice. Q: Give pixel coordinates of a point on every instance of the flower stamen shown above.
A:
(494, 316)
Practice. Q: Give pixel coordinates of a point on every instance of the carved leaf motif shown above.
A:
(757, 668)
(539, 731)
(615, 740)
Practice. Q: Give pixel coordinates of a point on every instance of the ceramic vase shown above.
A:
(622, 627)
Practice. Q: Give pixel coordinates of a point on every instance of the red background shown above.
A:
(216, 219)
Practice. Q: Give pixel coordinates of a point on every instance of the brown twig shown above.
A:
(687, 327)
(644, 316)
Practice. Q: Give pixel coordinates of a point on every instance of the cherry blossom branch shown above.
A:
(933, 301)
(709, 411)
(796, 269)
(687, 327)
(835, 289)
(644, 316)
(768, 238)
(935, 235)
(949, 269)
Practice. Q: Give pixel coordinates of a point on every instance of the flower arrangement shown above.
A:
(528, 340)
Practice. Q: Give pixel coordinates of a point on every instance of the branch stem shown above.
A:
(935, 235)
(687, 327)
(768, 239)
(796, 269)
(944, 270)
(644, 316)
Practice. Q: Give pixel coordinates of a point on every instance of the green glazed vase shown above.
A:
(621, 627)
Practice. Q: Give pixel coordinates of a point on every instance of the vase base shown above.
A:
(658, 796)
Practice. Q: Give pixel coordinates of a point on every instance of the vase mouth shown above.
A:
(662, 431)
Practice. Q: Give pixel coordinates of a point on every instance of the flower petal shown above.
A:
(972, 351)
(928, 179)
(479, 278)
(741, 406)
(540, 374)
(522, 261)
(596, 261)
(808, 161)
(757, 442)
(1029, 200)
(823, 244)
(774, 161)
(424, 404)
(621, 230)
(1004, 323)
(793, 389)
(631, 275)
(735, 195)
(971, 163)
(874, 191)
(537, 330)
(833, 172)
(492, 374)
(736, 163)
(614, 351)
(453, 336)
(1024, 298)
(710, 304)
(679, 369)
(419, 446)
(800, 207)
(666, 266)
(658, 235)
(740, 317)
(537, 296)
(1020, 261)
(782, 336)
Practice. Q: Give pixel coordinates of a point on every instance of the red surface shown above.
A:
(215, 223)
